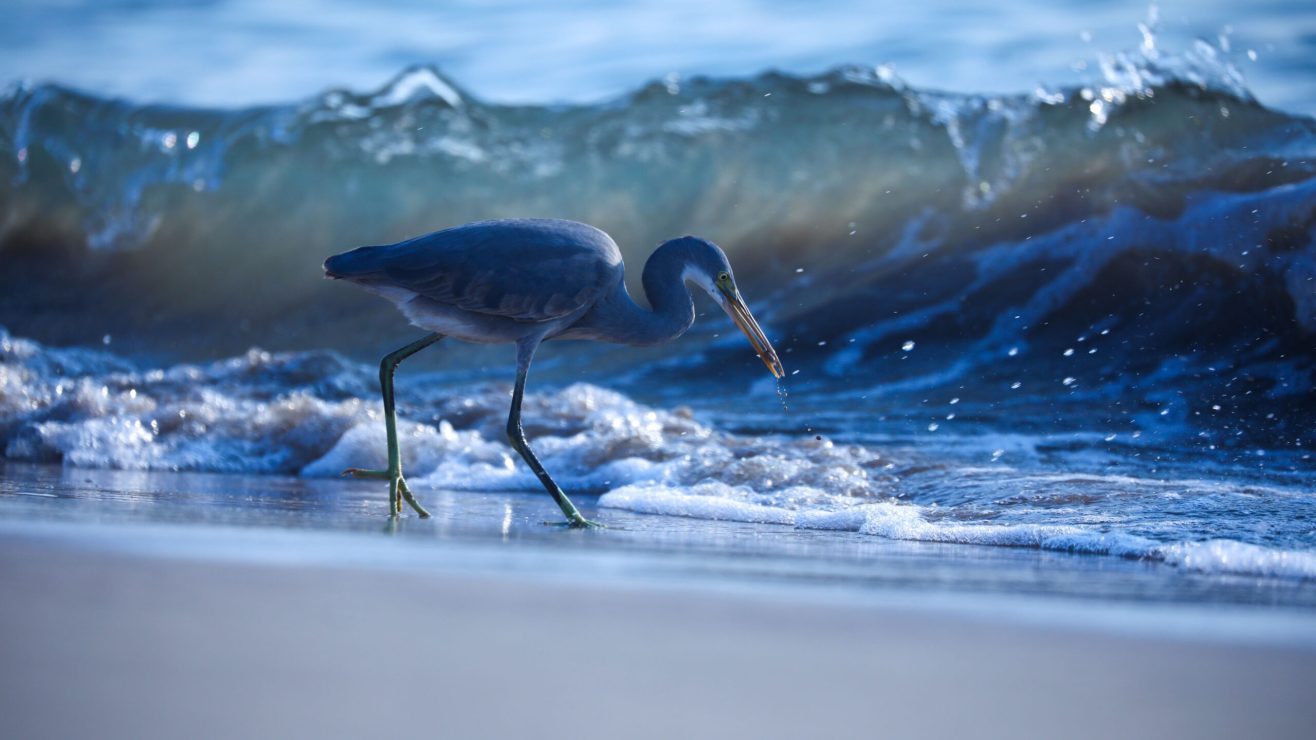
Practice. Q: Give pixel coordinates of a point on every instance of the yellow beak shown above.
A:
(735, 307)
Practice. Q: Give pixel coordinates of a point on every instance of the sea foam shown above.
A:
(901, 521)
(315, 413)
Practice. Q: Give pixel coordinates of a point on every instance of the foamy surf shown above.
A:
(314, 414)
(911, 522)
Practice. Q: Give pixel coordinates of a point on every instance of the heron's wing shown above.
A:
(528, 270)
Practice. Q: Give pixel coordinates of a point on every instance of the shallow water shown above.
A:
(314, 415)
(278, 520)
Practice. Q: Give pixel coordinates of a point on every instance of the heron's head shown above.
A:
(707, 266)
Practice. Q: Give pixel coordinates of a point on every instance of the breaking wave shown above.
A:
(1159, 212)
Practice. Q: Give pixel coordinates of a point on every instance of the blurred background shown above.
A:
(242, 52)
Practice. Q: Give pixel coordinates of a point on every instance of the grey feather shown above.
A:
(522, 269)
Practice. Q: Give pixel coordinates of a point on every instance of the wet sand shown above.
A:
(113, 643)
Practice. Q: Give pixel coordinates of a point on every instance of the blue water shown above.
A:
(1073, 314)
(230, 53)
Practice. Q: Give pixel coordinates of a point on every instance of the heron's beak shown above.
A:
(735, 307)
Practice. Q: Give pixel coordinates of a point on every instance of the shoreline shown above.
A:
(200, 605)
(681, 569)
(147, 645)
(272, 520)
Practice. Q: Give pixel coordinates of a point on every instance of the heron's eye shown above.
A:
(723, 277)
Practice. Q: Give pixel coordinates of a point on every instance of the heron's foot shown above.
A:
(363, 473)
(579, 522)
(398, 491)
(402, 488)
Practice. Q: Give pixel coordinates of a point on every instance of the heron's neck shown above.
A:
(673, 310)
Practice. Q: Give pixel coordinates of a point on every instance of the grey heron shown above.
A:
(525, 281)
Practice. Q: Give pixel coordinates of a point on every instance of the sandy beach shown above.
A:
(112, 641)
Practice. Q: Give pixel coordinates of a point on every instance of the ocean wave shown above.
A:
(1079, 246)
(122, 171)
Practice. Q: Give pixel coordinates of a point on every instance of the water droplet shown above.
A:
(1069, 381)
(1069, 352)
(193, 139)
(933, 427)
(908, 346)
(1015, 385)
(1013, 351)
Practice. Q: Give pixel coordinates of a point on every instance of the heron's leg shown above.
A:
(516, 435)
(397, 485)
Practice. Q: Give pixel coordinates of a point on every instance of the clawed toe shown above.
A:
(364, 473)
(398, 489)
(581, 523)
(406, 495)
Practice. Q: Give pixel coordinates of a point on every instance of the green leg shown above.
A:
(516, 435)
(397, 485)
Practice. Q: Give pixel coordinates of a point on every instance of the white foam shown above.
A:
(901, 521)
(315, 414)
(704, 501)
(1240, 558)
(274, 413)
(423, 447)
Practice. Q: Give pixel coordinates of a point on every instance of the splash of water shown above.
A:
(782, 395)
